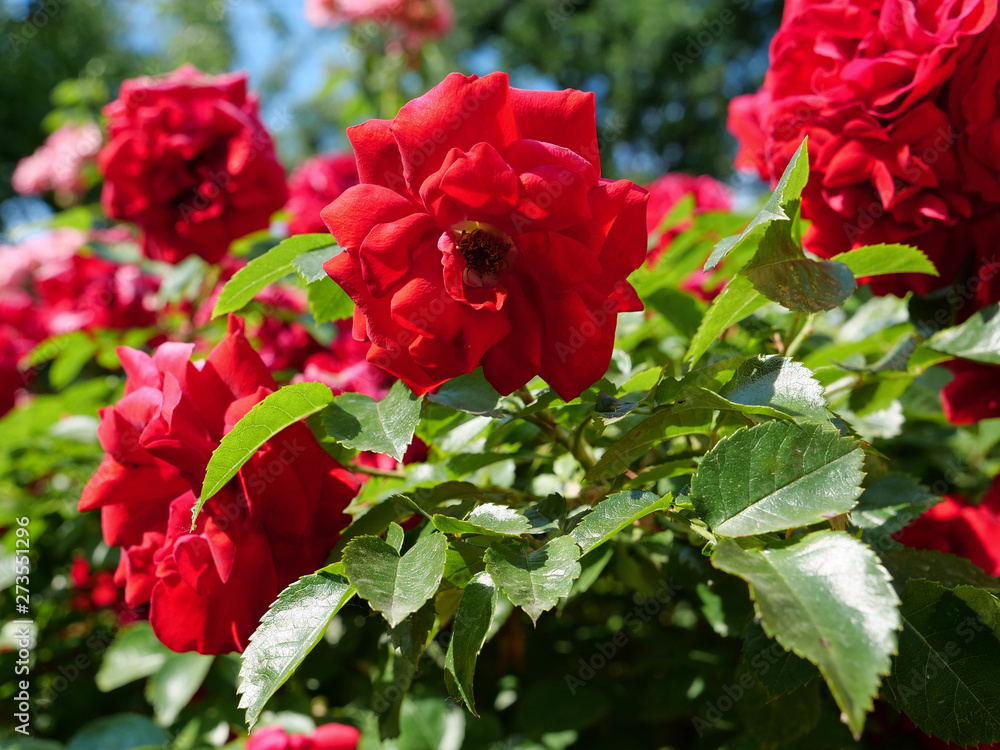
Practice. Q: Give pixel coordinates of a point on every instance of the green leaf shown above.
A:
(134, 654)
(287, 633)
(489, 519)
(614, 514)
(469, 393)
(396, 586)
(118, 732)
(888, 504)
(945, 677)
(777, 476)
(778, 670)
(781, 206)
(328, 302)
(904, 564)
(277, 411)
(738, 300)
(310, 263)
(385, 426)
(659, 427)
(413, 633)
(173, 685)
(534, 580)
(977, 339)
(781, 272)
(825, 597)
(261, 272)
(780, 383)
(875, 260)
(472, 623)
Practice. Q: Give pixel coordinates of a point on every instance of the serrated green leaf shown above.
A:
(777, 476)
(135, 653)
(786, 194)
(385, 426)
(469, 393)
(261, 272)
(489, 519)
(278, 410)
(802, 284)
(413, 633)
(825, 597)
(659, 427)
(875, 260)
(118, 732)
(615, 513)
(173, 685)
(905, 564)
(328, 302)
(288, 631)
(472, 623)
(977, 339)
(534, 580)
(396, 586)
(780, 383)
(463, 562)
(310, 263)
(738, 300)
(888, 504)
(944, 677)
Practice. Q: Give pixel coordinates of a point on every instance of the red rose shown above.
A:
(975, 104)
(482, 233)
(208, 589)
(189, 161)
(344, 369)
(960, 528)
(973, 394)
(868, 81)
(668, 190)
(20, 331)
(326, 737)
(313, 185)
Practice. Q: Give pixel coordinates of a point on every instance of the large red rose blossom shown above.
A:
(958, 527)
(275, 521)
(190, 162)
(483, 234)
(326, 737)
(313, 185)
(894, 96)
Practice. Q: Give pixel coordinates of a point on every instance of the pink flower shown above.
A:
(418, 20)
(58, 163)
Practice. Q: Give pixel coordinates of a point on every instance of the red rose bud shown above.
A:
(483, 234)
(275, 521)
(189, 161)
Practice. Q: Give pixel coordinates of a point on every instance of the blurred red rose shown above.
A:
(313, 185)
(973, 394)
(482, 233)
(417, 20)
(960, 528)
(869, 82)
(58, 164)
(326, 737)
(93, 590)
(975, 104)
(207, 589)
(20, 332)
(189, 161)
(667, 191)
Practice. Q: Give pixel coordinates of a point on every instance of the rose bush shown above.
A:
(277, 520)
(190, 162)
(482, 233)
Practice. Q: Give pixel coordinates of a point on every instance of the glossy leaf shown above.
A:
(777, 476)
(489, 519)
(614, 514)
(826, 598)
(386, 426)
(977, 339)
(534, 580)
(472, 624)
(310, 263)
(780, 383)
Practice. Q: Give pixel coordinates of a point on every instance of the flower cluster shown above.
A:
(483, 234)
(274, 522)
(416, 20)
(898, 99)
(189, 161)
(58, 165)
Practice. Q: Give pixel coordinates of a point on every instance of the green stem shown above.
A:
(800, 337)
